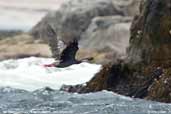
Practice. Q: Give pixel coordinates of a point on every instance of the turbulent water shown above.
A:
(28, 76)
(47, 101)
(30, 73)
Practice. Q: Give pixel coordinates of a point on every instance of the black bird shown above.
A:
(68, 55)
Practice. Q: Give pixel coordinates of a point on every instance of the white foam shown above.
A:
(29, 74)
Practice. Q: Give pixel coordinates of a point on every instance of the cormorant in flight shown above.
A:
(68, 55)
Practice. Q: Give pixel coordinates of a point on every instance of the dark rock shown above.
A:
(157, 72)
(150, 46)
(160, 90)
(48, 89)
(145, 73)
(150, 38)
(72, 89)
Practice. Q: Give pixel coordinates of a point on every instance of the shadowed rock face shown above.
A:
(145, 73)
(150, 37)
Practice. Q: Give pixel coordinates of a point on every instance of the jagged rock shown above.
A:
(150, 38)
(73, 89)
(74, 17)
(160, 90)
(150, 48)
(114, 78)
(150, 45)
(145, 73)
(110, 78)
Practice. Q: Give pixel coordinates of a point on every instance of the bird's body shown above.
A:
(68, 55)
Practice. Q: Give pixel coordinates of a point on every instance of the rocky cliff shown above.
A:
(145, 72)
(85, 21)
(150, 36)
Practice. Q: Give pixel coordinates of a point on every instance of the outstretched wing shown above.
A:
(53, 41)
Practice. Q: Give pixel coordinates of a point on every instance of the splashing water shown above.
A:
(30, 74)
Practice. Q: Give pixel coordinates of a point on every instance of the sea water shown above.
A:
(27, 87)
